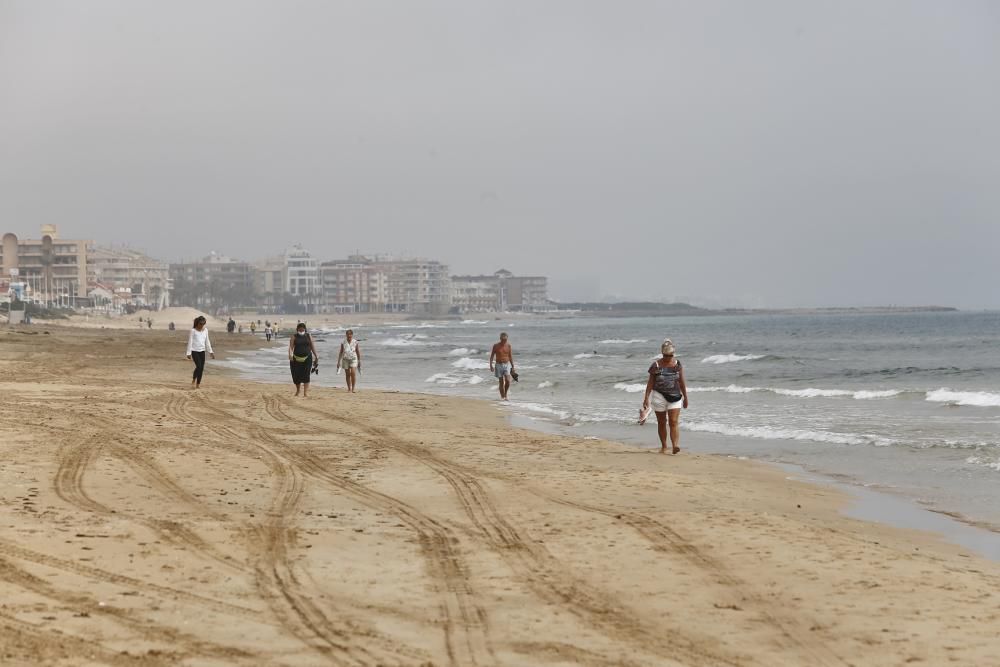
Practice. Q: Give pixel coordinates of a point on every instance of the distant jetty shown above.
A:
(654, 309)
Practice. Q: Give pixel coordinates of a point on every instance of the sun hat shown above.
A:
(667, 347)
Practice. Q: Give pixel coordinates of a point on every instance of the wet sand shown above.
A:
(148, 524)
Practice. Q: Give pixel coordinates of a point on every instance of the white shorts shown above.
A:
(660, 404)
(348, 363)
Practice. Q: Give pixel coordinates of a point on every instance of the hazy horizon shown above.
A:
(779, 154)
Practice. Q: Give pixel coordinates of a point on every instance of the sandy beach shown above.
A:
(148, 524)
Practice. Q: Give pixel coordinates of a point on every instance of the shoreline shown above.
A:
(415, 529)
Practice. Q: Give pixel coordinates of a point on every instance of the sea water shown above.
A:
(906, 402)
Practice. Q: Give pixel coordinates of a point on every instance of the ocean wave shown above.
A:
(730, 358)
(546, 384)
(422, 325)
(544, 409)
(979, 399)
(475, 322)
(588, 355)
(402, 342)
(811, 392)
(462, 351)
(469, 364)
(452, 380)
(619, 341)
(768, 433)
(731, 389)
(631, 388)
(986, 463)
(444, 378)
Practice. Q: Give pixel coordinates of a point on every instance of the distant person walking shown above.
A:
(267, 333)
(350, 360)
(198, 345)
(502, 364)
(667, 392)
(253, 327)
(302, 358)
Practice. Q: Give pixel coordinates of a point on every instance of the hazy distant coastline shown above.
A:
(652, 309)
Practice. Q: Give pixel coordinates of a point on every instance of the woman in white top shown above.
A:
(350, 360)
(198, 345)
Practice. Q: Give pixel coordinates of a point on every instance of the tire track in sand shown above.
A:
(43, 643)
(275, 576)
(18, 552)
(794, 630)
(546, 575)
(74, 458)
(465, 621)
(143, 627)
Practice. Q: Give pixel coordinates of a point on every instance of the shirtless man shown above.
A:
(504, 364)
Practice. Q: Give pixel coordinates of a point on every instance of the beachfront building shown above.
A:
(418, 286)
(502, 291)
(474, 294)
(53, 270)
(213, 282)
(269, 283)
(353, 285)
(302, 278)
(119, 268)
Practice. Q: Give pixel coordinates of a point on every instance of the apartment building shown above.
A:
(502, 291)
(418, 286)
(353, 285)
(119, 268)
(51, 268)
(214, 282)
(269, 282)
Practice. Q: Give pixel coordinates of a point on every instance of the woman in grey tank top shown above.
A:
(667, 391)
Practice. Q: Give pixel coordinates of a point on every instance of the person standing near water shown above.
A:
(667, 391)
(350, 360)
(198, 345)
(502, 364)
(302, 357)
(267, 332)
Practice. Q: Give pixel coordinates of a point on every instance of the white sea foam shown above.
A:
(630, 388)
(475, 322)
(986, 463)
(544, 409)
(730, 389)
(981, 399)
(811, 392)
(462, 351)
(469, 364)
(546, 384)
(444, 378)
(401, 342)
(730, 358)
(619, 341)
(587, 355)
(767, 433)
(422, 325)
(873, 394)
(476, 379)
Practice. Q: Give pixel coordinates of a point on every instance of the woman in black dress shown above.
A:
(302, 358)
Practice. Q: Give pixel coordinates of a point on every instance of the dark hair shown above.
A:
(300, 325)
(201, 319)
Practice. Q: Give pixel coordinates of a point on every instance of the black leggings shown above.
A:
(199, 365)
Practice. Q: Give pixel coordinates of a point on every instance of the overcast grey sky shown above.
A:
(753, 153)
